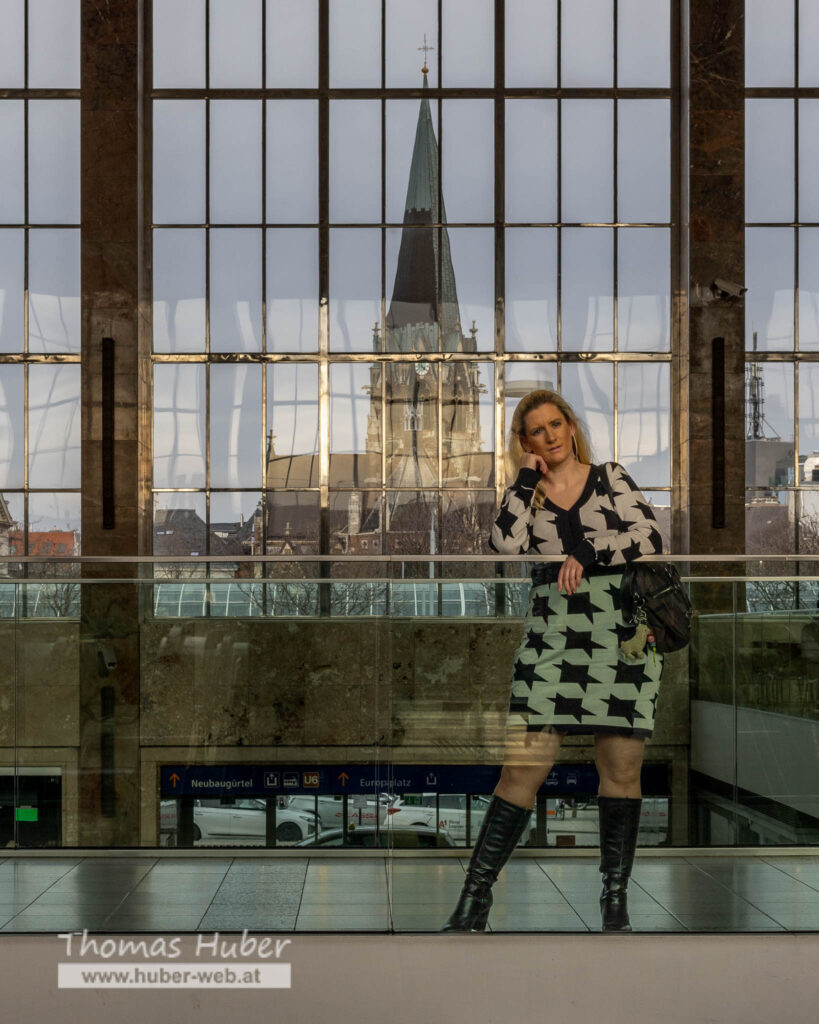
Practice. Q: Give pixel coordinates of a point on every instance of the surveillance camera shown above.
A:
(723, 289)
(107, 656)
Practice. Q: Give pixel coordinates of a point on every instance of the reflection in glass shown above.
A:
(15, 504)
(179, 44)
(643, 43)
(769, 160)
(769, 48)
(179, 425)
(587, 161)
(54, 161)
(467, 160)
(468, 56)
(405, 22)
(805, 504)
(355, 43)
(179, 529)
(235, 44)
(54, 526)
(587, 280)
(809, 422)
(54, 425)
(355, 161)
(292, 44)
(467, 424)
(179, 162)
(808, 160)
(526, 64)
(531, 289)
(643, 158)
(769, 530)
(356, 527)
(769, 276)
(12, 292)
(292, 161)
(473, 263)
(466, 522)
(643, 284)
(531, 160)
(292, 528)
(355, 289)
(412, 527)
(401, 124)
(769, 425)
(54, 44)
(809, 288)
(589, 389)
(235, 290)
(644, 439)
(587, 43)
(412, 424)
(12, 162)
(808, 42)
(355, 425)
(235, 425)
(12, 434)
(54, 290)
(235, 161)
(291, 446)
(179, 290)
(12, 44)
(236, 528)
(292, 290)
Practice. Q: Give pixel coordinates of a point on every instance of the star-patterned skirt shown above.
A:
(570, 675)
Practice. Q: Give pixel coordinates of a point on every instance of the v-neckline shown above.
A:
(584, 494)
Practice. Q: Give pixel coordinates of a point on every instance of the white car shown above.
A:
(361, 809)
(240, 821)
(419, 809)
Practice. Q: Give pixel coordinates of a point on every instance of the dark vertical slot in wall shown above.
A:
(108, 433)
(718, 437)
(107, 797)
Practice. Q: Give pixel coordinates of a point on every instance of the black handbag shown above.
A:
(652, 593)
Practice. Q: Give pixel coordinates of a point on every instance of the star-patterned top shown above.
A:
(590, 530)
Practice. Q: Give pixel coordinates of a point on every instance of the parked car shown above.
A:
(364, 809)
(242, 820)
(419, 838)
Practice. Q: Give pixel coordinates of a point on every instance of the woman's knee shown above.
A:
(620, 771)
(530, 776)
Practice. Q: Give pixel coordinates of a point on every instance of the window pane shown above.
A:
(403, 118)
(769, 275)
(644, 438)
(355, 425)
(769, 48)
(355, 43)
(235, 44)
(468, 48)
(355, 289)
(527, 64)
(769, 423)
(54, 44)
(54, 524)
(54, 290)
(12, 44)
(236, 528)
(12, 162)
(468, 424)
(179, 162)
(292, 426)
(292, 290)
(643, 157)
(179, 425)
(12, 449)
(808, 160)
(809, 288)
(235, 290)
(54, 426)
(531, 160)
(531, 290)
(809, 422)
(179, 529)
(589, 390)
(587, 286)
(473, 263)
(54, 161)
(412, 424)
(179, 290)
(355, 161)
(235, 162)
(292, 43)
(466, 522)
(292, 161)
(808, 42)
(468, 185)
(587, 160)
(643, 43)
(356, 529)
(769, 160)
(407, 24)
(179, 44)
(587, 50)
(413, 528)
(12, 291)
(235, 425)
(643, 283)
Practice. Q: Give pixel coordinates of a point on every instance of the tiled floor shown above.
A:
(145, 893)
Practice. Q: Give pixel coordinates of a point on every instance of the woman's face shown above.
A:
(548, 433)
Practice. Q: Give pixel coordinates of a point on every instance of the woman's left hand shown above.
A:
(570, 575)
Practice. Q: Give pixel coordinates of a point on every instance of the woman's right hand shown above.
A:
(531, 461)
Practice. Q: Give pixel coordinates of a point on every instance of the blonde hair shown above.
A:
(514, 450)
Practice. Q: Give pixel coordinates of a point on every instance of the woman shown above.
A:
(570, 675)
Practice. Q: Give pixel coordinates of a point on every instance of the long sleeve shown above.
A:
(511, 530)
(640, 534)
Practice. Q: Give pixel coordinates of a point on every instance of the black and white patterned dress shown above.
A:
(570, 675)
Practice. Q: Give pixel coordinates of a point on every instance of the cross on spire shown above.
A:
(426, 49)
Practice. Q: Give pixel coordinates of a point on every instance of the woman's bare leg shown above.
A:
(528, 760)
(619, 760)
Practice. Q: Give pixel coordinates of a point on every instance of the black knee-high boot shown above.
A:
(502, 827)
(619, 824)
